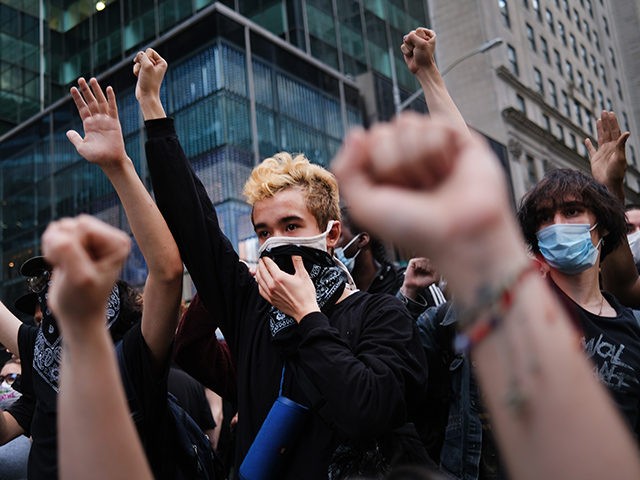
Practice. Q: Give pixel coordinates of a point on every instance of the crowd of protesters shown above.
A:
(508, 347)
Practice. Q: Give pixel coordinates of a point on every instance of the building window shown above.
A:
(525, 3)
(520, 104)
(537, 78)
(583, 55)
(633, 155)
(569, 68)
(532, 176)
(504, 11)
(619, 89)
(625, 121)
(565, 104)
(565, 6)
(581, 82)
(576, 17)
(606, 25)
(594, 64)
(587, 30)
(609, 104)
(578, 112)
(536, 8)
(561, 133)
(592, 93)
(558, 61)
(573, 141)
(553, 93)
(603, 74)
(574, 45)
(531, 37)
(612, 57)
(544, 48)
(600, 100)
(562, 33)
(589, 8)
(596, 40)
(552, 26)
(547, 122)
(513, 59)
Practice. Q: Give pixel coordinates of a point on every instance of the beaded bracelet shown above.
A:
(491, 312)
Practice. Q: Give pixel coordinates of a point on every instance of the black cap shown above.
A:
(27, 303)
(35, 266)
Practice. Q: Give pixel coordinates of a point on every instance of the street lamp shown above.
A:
(485, 47)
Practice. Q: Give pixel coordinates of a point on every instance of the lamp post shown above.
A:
(400, 106)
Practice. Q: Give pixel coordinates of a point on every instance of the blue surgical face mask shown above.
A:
(349, 262)
(567, 247)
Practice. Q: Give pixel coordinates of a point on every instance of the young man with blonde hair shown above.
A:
(305, 333)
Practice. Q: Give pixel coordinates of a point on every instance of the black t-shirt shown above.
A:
(190, 394)
(613, 345)
(40, 382)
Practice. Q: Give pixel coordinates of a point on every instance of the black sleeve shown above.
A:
(366, 390)
(22, 410)
(224, 284)
(26, 345)
(149, 383)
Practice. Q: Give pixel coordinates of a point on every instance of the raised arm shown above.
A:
(608, 167)
(103, 145)
(551, 417)
(97, 438)
(9, 326)
(418, 48)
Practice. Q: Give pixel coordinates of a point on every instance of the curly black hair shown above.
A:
(561, 185)
(130, 310)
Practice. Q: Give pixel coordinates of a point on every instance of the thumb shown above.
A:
(590, 148)
(622, 140)
(298, 265)
(145, 62)
(75, 138)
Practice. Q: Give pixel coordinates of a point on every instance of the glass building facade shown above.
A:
(246, 79)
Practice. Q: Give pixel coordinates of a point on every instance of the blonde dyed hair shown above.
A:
(283, 171)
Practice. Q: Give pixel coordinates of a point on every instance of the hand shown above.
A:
(418, 49)
(434, 190)
(150, 68)
(87, 256)
(103, 143)
(609, 161)
(294, 295)
(418, 275)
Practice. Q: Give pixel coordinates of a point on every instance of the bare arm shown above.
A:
(9, 428)
(97, 438)
(9, 326)
(418, 48)
(103, 144)
(215, 403)
(456, 212)
(608, 167)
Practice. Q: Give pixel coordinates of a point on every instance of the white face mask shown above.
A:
(317, 241)
(634, 245)
(348, 262)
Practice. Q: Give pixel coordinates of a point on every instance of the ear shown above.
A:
(333, 236)
(363, 240)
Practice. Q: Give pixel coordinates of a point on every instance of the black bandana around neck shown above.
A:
(328, 279)
(48, 345)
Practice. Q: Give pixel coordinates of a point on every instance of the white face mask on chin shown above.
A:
(317, 241)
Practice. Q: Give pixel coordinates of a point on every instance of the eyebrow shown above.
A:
(290, 218)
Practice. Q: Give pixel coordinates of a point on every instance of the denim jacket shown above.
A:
(462, 436)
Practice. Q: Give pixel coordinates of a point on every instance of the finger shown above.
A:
(298, 265)
(590, 148)
(103, 242)
(606, 128)
(614, 126)
(97, 92)
(408, 40)
(75, 138)
(82, 107)
(89, 99)
(416, 39)
(136, 68)
(600, 130)
(111, 100)
(406, 51)
(425, 33)
(622, 141)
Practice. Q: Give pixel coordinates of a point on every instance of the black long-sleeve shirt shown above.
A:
(363, 355)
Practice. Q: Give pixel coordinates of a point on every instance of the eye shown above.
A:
(291, 227)
(262, 233)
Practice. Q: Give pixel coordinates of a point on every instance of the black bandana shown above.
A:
(48, 346)
(328, 279)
